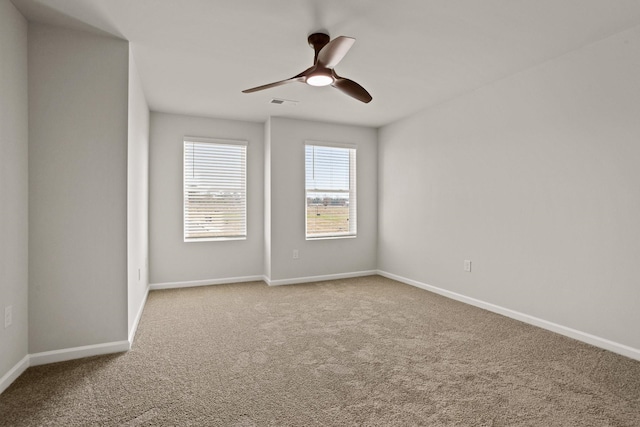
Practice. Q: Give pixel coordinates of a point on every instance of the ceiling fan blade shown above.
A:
(274, 84)
(334, 51)
(352, 89)
(298, 78)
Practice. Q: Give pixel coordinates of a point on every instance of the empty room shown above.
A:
(320, 213)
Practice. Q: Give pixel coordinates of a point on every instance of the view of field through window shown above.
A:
(330, 190)
(214, 190)
(322, 219)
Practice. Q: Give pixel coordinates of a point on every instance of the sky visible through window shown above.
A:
(218, 161)
(327, 168)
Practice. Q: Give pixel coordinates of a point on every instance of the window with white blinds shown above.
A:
(330, 182)
(215, 189)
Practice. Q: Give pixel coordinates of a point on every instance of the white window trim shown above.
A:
(215, 140)
(245, 143)
(352, 191)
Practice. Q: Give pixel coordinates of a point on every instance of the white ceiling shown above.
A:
(196, 56)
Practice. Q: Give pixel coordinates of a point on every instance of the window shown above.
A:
(215, 191)
(330, 182)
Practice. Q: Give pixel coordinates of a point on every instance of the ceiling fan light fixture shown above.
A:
(319, 80)
(327, 54)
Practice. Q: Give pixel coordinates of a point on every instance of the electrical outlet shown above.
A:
(8, 316)
(295, 254)
(467, 265)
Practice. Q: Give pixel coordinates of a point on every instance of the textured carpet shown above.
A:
(358, 352)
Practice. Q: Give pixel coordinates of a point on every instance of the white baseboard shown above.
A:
(60, 356)
(307, 279)
(207, 282)
(603, 343)
(78, 352)
(14, 373)
(136, 321)
(121, 346)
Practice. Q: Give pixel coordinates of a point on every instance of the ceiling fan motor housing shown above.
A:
(318, 40)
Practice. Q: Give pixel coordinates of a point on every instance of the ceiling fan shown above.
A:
(327, 55)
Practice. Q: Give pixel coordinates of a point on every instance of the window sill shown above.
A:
(346, 236)
(214, 239)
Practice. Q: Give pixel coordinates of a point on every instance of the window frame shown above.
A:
(216, 141)
(353, 211)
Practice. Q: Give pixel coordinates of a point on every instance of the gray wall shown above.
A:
(13, 185)
(267, 199)
(534, 178)
(171, 259)
(287, 202)
(78, 85)
(275, 203)
(137, 196)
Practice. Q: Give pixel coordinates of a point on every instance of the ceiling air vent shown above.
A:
(278, 101)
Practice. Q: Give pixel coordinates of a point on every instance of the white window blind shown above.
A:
(330, 182)
(215, 191)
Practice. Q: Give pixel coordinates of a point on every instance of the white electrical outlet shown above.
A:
(8, 316)
(467, 265)
(295, 254)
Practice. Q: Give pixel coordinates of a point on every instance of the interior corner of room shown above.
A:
(531, 178)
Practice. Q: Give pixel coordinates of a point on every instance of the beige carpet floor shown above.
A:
(358, 352)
